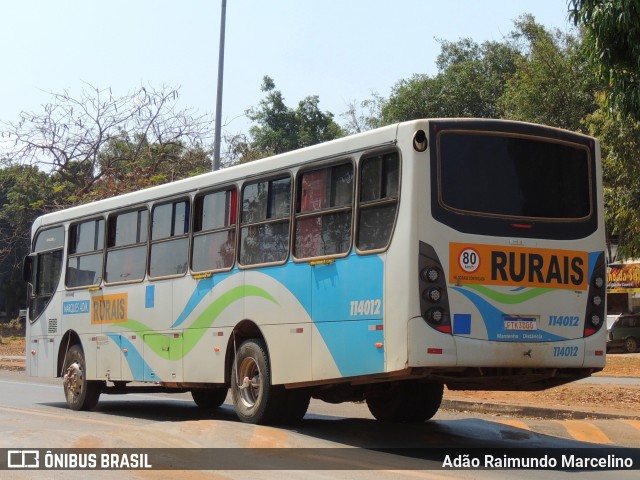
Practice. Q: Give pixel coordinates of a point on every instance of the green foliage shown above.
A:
(535, 75)
(25, 193)
(620, 140)
(130, 162)
(470, 81)
(612, 43)
(280, 129)
(552, 84)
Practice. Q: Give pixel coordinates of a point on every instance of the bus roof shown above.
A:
(342, 146)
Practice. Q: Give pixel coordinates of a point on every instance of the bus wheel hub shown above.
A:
(73, 378)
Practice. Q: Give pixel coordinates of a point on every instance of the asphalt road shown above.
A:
(33, 415)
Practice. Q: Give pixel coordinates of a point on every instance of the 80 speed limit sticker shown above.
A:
(469, 260)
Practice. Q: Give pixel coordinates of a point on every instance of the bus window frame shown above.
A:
(234, 227)
(296, 216)
(373, 203)
(69, 256)
(116, 213)
(151, 242)
(271, 176)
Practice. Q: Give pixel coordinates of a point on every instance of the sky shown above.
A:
(339, 50)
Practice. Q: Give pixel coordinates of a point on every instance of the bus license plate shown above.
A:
(520, 323)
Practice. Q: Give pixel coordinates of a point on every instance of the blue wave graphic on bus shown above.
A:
(493, 319)
(140, 369)
(332, 302)
(203, 288)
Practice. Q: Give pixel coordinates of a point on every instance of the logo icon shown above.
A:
(23, 459)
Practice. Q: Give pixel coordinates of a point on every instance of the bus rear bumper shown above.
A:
(473, 364)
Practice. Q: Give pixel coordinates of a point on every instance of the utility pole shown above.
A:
(218, 126)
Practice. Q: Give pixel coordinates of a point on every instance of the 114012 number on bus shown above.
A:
(366, 307)
(565, 351)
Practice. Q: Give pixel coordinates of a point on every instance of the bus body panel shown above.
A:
(355, 315)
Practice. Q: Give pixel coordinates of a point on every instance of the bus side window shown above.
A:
(324, 211)
(126, 246)
(379, 190)
(169, 239)
(264, 233)
(214, 233)
(85, 253)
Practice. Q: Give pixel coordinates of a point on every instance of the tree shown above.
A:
(92, 146)
(552, 84)
(131, 162)
(470, 80)
(281, 129)
(364, 115)
(620, 140)
(25, 193)
(70, 136)
(612, 43)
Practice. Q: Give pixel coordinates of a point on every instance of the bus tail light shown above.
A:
(434, 302)
(595, 314)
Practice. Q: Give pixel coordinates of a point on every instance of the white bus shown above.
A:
(377, 267)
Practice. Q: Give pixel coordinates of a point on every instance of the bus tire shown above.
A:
(209, 397)
(630, 345)
(80, 393)
(254, 398)
(295, 405)
(410, 402)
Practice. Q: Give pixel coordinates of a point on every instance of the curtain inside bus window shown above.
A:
(323, 224)
(309, 230)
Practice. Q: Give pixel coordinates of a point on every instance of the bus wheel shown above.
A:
(209, 397)
(411, 402)
(81, 394)
(630, 345)
(254, 398)
(295, 405)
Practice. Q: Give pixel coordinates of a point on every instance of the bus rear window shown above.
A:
(514, 176)
(511, 179)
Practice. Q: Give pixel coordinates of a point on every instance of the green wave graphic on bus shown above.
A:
(509, 298)
(204, 321)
